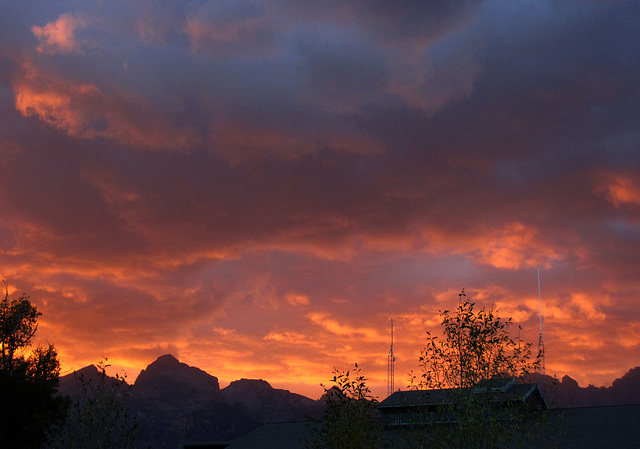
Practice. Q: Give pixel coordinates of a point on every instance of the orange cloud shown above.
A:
(59, 36)
(621, 189)
(512, 246)
(629, 335)
(297, 300)
(588, 306)
(570, 337)
(335, 327)
(85, 111)
(286, 337)
(54, 106)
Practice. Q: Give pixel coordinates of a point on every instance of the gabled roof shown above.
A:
(499, 392)
(417, 398)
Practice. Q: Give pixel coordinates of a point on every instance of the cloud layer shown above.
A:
(253, 185)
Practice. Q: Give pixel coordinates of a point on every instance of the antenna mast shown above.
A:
(540, 342)
(391, 364)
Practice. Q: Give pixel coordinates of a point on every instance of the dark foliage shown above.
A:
(29, 407)
(99, 417)
(349, 420)
(476, 348)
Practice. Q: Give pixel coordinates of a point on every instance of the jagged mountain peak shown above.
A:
(170, 378)
(631, 378)
(569, 382)
(166, 360)
(267, 404)
(73, 383)
(90, 370)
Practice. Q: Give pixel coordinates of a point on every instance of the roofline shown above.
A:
(381, 405)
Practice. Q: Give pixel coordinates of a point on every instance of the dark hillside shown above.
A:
(175, 403)
(567, 393)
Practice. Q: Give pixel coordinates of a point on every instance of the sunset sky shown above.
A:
(252, 185)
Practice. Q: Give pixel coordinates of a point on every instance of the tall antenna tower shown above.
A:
(540, 342)
(391, 359)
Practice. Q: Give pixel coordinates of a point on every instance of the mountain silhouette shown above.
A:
(566, 392)
(175, 387)
(267, 404)
(626, 390)
(175, 403)
(85, 381)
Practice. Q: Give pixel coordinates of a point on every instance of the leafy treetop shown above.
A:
(476, 346)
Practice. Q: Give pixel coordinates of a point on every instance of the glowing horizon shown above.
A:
(238, 363)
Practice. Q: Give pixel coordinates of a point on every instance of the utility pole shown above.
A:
(540, 342)
(391, 359)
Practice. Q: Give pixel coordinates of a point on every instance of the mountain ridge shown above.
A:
(567, 393)
(176, 403)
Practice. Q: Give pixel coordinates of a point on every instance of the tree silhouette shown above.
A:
(99, 417)
(476, 346)
(476, 351)
(347, 422)
(29, 406)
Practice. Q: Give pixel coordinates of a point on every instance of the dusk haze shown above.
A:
(258, 187)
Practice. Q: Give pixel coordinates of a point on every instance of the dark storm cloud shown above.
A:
(390, 23)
